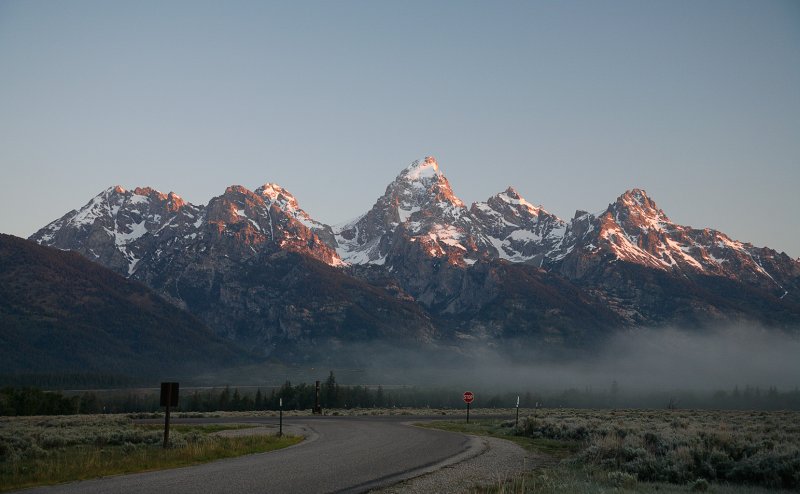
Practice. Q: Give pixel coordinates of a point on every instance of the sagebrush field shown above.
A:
(647, 450)
(47, 450)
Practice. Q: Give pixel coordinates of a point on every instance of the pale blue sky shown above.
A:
(572, 103)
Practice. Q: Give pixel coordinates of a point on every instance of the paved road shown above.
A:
(341, 454)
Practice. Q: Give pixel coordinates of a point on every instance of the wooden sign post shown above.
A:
(169, 398)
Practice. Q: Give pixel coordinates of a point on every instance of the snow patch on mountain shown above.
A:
(124, 238)
(419, 170)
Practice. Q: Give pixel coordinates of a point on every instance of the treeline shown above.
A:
(332, 395)
(74, 380)
(31, 401)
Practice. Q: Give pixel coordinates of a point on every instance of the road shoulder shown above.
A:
(499, 460)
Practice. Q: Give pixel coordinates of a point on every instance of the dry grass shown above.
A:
(49, 450)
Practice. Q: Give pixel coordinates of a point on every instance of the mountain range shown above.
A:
(422, 268)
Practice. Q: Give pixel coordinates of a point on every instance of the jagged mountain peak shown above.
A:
(267, 194)
(425, 168)
(637, 197)
(172, 201)
(512, 197)
(116, 200)
(110, 194)
(518, 230)
(257, 203)
(237, 189)
(265, 218)
(635, 209)
(419, 206)
(422, 184)
(109, 229)
(275, 194)
(273, 191)
(635, 230)
(511, 192)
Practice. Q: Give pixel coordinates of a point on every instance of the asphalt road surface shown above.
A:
(340, 454)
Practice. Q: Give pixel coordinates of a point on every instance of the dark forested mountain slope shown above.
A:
(62, 313)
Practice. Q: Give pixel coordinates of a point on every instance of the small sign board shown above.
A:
(169, 394)
(469, 396)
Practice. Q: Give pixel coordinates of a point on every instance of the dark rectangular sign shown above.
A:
(169, 394)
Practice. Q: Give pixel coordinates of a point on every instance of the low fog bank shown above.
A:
(640, 360)
(734, 367)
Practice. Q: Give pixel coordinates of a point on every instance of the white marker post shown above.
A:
(516, 423)
(280, 419)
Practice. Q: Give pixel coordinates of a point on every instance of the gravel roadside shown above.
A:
(499, 461)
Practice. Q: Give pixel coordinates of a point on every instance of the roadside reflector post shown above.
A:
(317, 408)
(169, 398)
(280, 417)
(469, 396)
(516, 422)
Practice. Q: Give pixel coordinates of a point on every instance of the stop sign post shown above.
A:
(469, 396)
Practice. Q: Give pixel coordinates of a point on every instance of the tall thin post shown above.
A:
(169, 397)
(166, 428)
(280, 417)
(468, 413)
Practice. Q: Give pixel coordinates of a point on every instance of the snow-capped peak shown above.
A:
(273, 191)
(637, 197)
(425, 168)
(635, 209)
(275, 194)
(511, 196)
(421, 184)
(419, 201)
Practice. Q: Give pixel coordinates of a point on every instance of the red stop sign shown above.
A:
(468, 396)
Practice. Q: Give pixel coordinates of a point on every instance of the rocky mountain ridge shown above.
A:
(420, 251)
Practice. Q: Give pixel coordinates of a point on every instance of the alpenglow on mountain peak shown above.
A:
(417, 220)
(425, 168)
(424, 268)
(422, 184)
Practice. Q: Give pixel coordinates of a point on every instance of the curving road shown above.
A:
(341, 454)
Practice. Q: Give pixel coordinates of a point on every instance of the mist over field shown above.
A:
(638, 360)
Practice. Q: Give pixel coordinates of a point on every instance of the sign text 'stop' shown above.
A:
(468, 396)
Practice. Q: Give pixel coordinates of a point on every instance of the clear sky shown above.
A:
(572, 103)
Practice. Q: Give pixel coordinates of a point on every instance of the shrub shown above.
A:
(622, 479)
(756, 448)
